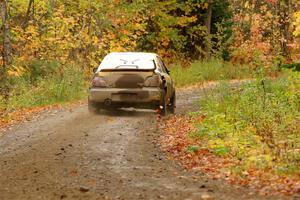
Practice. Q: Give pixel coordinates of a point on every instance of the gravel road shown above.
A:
(76, 155)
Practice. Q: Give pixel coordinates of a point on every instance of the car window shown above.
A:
(158, 65)
(118, 62)
(162, 65)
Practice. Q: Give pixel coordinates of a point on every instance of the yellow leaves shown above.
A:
(185, 20)
(94, 40)
(247, 18)
(205, 6)
(202, 5)
(165, 42)
(15, 71)
(297, 23)
(70, 21)
(269, 15)
(261, 161)
(247, 4)
(32, 31)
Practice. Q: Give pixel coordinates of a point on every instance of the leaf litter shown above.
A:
(191, 154)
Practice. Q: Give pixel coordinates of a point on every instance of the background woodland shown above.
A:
(48, 47)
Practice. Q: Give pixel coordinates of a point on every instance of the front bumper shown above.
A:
(125, 95)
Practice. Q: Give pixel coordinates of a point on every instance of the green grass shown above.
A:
(212, 70)
(257, 123)
(57, 86)
(47, 82)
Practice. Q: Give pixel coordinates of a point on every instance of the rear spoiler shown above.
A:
(129, 70)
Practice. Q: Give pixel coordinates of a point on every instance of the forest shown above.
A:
(42, 41)
(49, 48)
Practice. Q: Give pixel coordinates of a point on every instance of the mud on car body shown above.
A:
(132, 79)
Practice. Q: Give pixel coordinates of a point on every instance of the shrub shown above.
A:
(48, 89)
(258, 123)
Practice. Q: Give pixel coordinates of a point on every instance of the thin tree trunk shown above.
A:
(208, 27)
(285, 28)
(7, 51)
(29, 13)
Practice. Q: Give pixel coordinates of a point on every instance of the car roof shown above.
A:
(140, 60)
(137, 55)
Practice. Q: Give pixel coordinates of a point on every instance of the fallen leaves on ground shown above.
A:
(8, 119)
(175, 142)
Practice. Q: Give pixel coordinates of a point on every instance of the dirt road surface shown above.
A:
(76, 155)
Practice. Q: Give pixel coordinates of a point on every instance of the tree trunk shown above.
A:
(7, 51)
(29, 13)
(208, 27)
(285, 28)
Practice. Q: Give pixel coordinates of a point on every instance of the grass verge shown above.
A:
(213, 70)
(248, 134)
(50, 85)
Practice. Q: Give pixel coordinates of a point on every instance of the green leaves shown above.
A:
(293, 66)
(221, 150)
(256, 123)
(192, 148)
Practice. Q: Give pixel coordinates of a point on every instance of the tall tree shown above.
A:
(29, 13)
(208, 27)
(285, 6)
(7, 51)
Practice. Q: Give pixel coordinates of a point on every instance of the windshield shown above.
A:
(126, 63)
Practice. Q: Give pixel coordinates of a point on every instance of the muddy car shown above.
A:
(139, 80)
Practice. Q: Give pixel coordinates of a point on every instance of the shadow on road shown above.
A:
(127, 112)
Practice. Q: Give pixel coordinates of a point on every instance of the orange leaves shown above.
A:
(8, 119)
(176, 141)
(264, 31)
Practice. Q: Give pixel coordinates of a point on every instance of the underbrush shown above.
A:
(46, 84)
(246, 134)
(257, 123)
(212, 70)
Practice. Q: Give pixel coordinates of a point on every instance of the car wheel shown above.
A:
(173, 104)
(92, 106)
(164, 106)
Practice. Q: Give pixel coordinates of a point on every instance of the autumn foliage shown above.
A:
(81, 32)
(247, 136)
(48, 48)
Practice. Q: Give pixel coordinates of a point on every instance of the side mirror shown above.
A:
(94, 70)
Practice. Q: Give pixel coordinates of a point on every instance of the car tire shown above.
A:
(92, 107)
(173, 104)
(164, 106)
